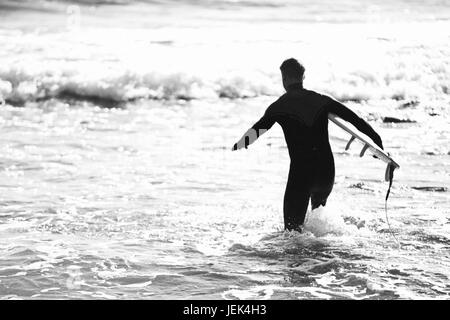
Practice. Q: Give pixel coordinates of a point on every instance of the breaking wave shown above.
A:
(161, 61)
(19, 85)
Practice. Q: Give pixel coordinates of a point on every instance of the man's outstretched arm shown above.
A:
(346, 114)
(252, 134)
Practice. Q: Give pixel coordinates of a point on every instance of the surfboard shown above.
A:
(368, 145)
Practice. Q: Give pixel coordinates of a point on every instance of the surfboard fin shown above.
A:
(363, 150)
(349, 143)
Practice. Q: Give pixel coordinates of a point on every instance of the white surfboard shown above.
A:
(368, 144)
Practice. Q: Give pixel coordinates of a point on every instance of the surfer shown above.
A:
(303, 116)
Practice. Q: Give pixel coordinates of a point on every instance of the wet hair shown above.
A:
(292, 68)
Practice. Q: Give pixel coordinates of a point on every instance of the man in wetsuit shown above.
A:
(303, 116)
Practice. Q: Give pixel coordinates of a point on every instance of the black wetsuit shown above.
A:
(303, 115)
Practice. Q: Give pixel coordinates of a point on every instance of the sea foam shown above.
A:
(196, 64)
(324, 221)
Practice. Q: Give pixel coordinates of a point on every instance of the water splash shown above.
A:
(325, 220)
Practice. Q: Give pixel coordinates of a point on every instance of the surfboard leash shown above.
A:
(390, 176)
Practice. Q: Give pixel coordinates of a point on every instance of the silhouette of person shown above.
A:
(303, 116)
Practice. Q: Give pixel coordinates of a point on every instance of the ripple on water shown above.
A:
(423, 237)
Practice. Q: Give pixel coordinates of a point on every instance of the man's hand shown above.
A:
(239, 145)
(248, 138)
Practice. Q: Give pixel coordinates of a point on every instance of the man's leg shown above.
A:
(296, 197)
(295, 206)
(319, 198)
(323, 181)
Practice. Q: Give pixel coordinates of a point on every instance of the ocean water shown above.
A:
(116, 175)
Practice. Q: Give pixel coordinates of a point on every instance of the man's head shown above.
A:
(292, 72)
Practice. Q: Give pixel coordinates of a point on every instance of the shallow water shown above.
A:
(117, 179)
(95, 204)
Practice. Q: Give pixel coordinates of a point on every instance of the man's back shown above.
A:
(302, 115)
